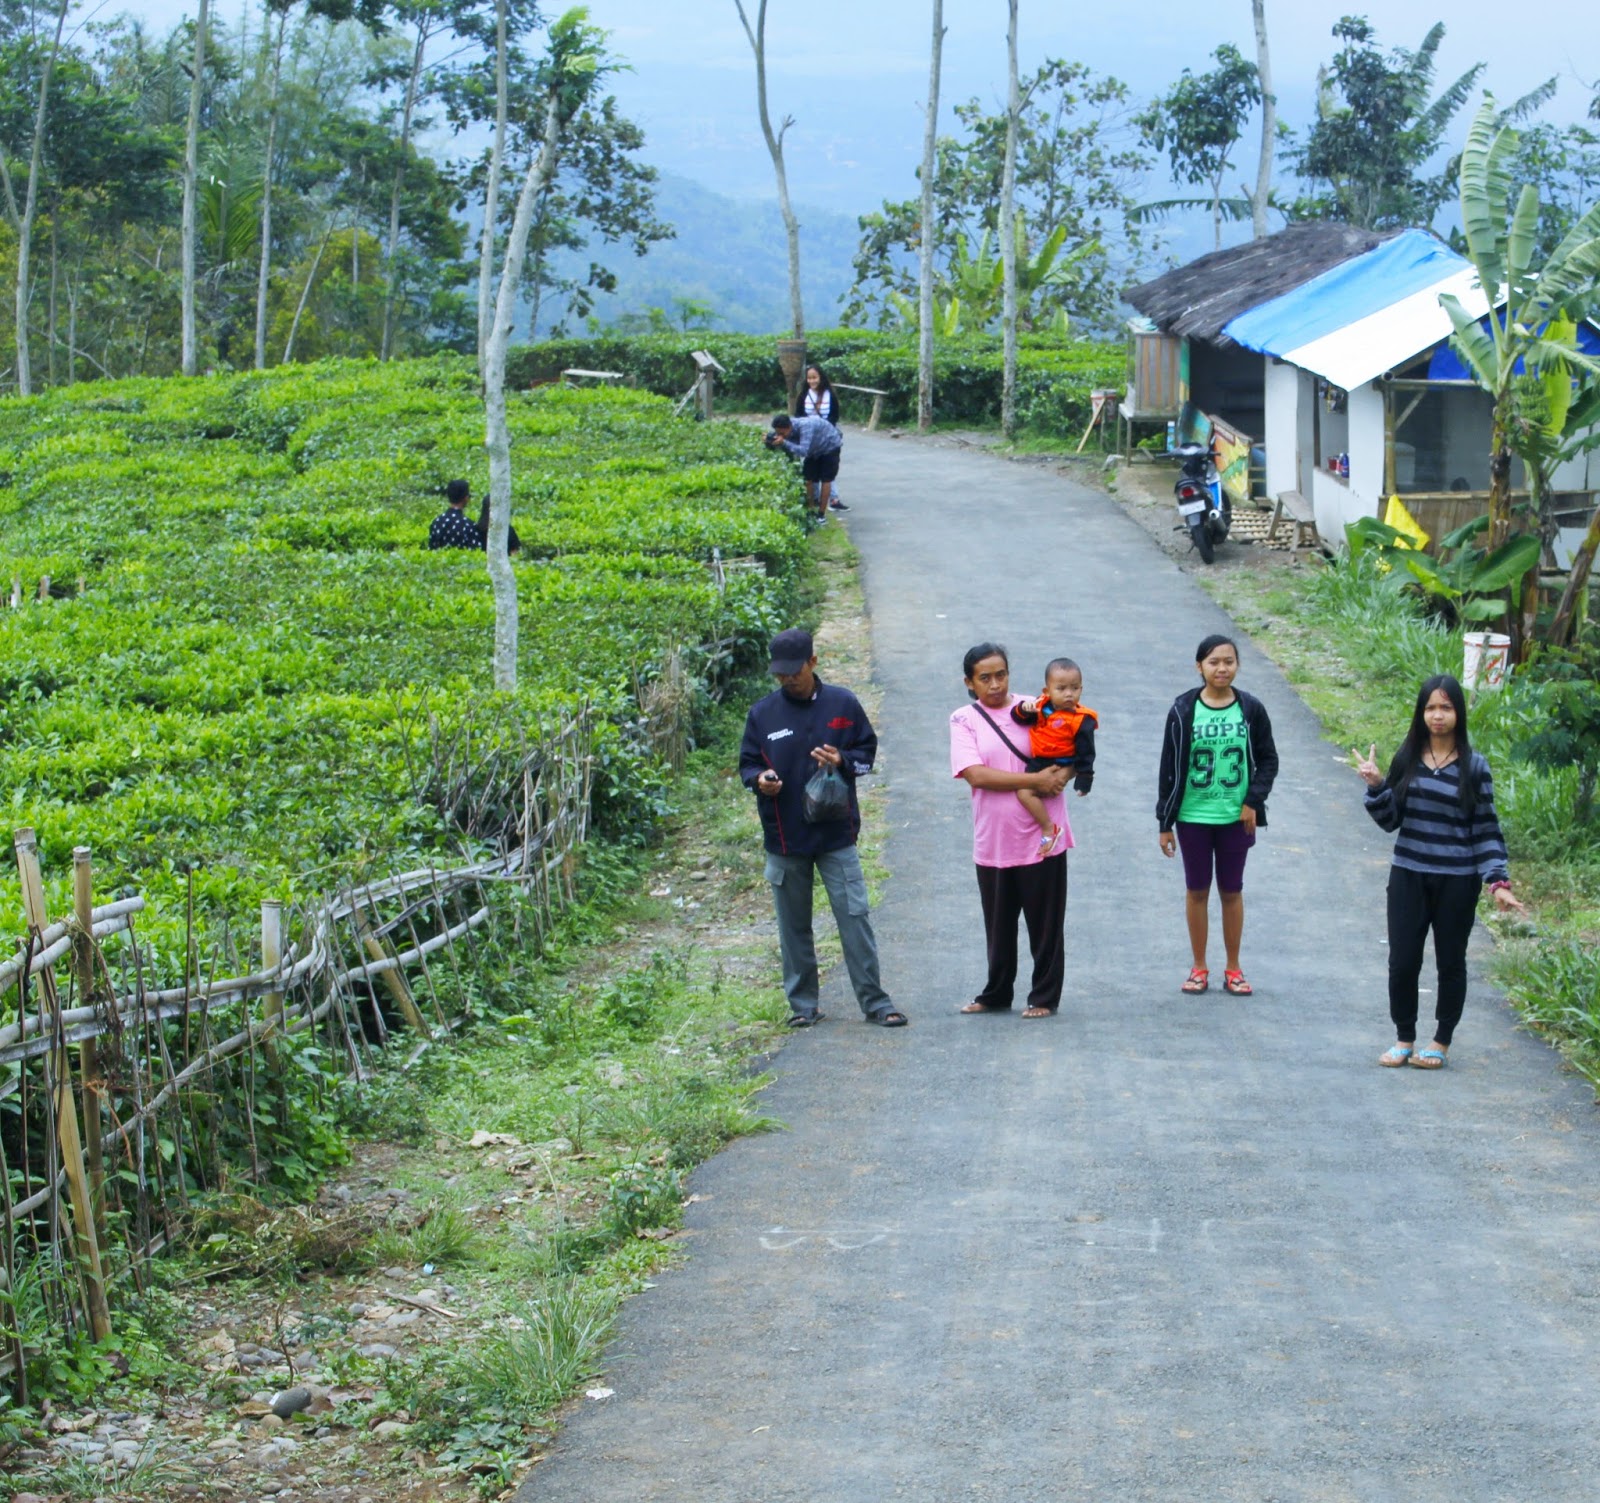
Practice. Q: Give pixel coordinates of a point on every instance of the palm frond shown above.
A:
(1233, 210)
(1443, 109)
(1530, 103)
(1423, 61)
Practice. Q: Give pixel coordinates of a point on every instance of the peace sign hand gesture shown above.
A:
(1367, 766)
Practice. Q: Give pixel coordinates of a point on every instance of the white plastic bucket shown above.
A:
(1485, 660)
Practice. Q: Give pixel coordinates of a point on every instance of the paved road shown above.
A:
(1157, 1248)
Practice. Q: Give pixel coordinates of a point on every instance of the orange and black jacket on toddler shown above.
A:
(1060, 736)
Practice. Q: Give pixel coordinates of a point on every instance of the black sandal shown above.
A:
(805, 1019)
(889, 1019)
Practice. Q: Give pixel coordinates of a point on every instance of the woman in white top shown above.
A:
(817, 400)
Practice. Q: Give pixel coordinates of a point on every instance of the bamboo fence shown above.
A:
(104, 1074)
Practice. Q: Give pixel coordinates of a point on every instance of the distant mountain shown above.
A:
(730, 253)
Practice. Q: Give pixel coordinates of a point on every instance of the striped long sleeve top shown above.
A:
(1434, 836)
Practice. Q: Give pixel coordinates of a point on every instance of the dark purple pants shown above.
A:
(1224, 846)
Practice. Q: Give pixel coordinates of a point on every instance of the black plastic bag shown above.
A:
(827, 797)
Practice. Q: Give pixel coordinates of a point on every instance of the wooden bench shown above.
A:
(1294, 509)
(575, 375)
(870, 391)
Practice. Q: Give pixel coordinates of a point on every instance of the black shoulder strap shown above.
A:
(1000, 733)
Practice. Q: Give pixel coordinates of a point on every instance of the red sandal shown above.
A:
(1235, 985)
(1199, 981)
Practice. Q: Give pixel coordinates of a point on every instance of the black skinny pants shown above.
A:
(1037, 893)
(1418, 902)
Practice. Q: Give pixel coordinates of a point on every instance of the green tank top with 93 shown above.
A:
(1219, 766)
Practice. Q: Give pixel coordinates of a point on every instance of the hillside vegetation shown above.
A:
(246, 633)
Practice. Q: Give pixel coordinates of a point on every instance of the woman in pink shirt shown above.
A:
(1014, 880)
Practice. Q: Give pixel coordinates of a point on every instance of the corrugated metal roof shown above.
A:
(1358, 320)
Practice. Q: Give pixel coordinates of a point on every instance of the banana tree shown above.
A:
(977, 279)
(946, 314)
(1531, 331)
(1556, 419)
(1470, 580)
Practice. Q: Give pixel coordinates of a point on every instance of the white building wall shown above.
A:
(1337, 500)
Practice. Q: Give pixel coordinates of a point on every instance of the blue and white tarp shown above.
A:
(1367, 315)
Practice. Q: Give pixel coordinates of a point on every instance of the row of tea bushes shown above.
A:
(245, 616)
(1054, 377)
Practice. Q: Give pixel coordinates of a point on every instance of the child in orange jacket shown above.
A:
(1061, 734)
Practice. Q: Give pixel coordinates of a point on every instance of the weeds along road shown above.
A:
(1156, 1248)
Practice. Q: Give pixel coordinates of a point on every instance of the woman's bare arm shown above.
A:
(1048, 780)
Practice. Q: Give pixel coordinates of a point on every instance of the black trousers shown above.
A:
(1418, 902)
(1037, 893)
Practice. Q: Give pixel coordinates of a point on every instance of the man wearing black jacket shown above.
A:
(804, 726)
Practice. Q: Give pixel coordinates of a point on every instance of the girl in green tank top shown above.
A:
(1218, 762)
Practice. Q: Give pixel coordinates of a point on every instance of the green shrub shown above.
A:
(1054, 380)
(224, 688)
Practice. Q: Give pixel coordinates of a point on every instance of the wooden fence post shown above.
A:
(271, 959)
(89, 1049)
(67, 1136)
(393, 982)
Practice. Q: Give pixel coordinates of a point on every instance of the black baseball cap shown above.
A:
(791, 650)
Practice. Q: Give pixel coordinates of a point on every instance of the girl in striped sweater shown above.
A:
(1439, 797)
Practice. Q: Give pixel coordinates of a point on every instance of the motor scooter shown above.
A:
(1204, 507)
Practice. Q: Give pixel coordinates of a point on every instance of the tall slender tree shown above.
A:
(491, 191)
(757, 37)
(274, 43)
(21, 218)
(191, 179)
(926, 233)
(1262, 197)
(1008, 232)
(426, 19)
(573, 66)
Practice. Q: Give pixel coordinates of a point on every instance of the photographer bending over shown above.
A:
(816, 443)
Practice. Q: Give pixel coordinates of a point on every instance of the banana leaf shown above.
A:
(1506, 565)
(1478, 349)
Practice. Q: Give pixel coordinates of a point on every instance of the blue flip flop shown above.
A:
(1428, 1059)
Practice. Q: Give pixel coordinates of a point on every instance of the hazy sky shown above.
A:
(855, 75)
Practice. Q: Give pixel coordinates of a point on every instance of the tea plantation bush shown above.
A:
(234, 688)
(1053, 379)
